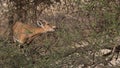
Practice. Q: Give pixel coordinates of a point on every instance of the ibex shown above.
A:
(24, 32)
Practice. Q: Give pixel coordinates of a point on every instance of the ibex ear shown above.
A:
(40, 24)
(44, 21)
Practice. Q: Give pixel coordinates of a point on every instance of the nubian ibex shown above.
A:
(23, 32)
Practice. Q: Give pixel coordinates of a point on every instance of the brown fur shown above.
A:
(25, 31)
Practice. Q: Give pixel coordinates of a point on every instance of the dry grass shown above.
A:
(83, 30)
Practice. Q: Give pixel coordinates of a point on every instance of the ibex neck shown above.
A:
(39, 31)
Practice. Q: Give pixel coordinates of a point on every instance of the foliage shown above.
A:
(84, 27)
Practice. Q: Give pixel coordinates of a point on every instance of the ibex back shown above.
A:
(22, 32)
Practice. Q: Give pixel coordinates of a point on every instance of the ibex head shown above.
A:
(46, 26)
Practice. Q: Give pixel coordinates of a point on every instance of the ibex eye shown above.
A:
(40, 23)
